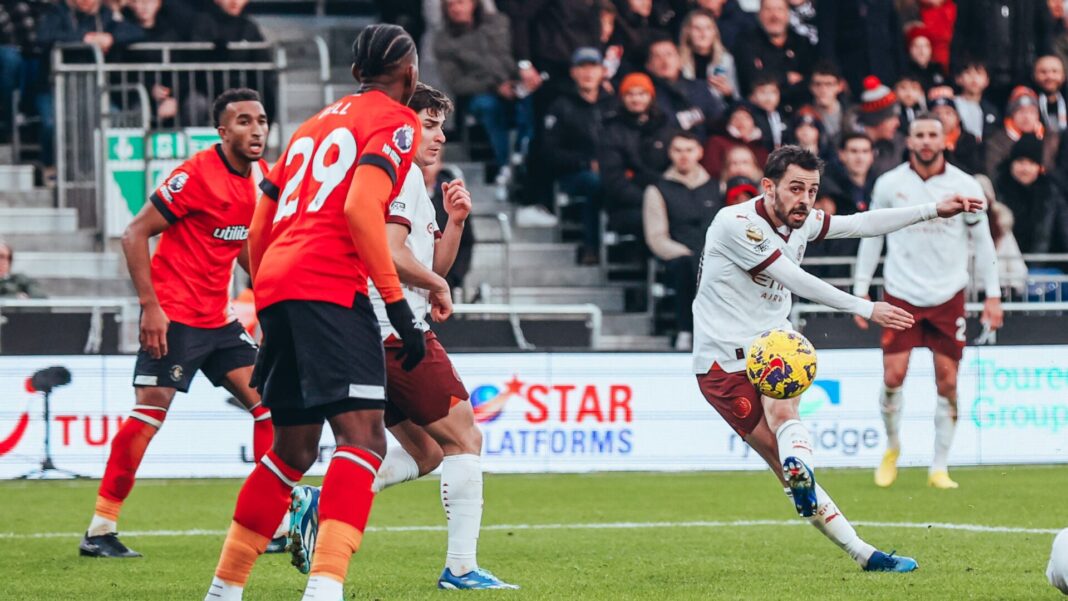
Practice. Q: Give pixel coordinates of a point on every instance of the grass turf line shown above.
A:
(752, 562)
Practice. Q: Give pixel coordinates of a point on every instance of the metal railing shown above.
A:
(127, 309)
(515, 313)
(93, 94)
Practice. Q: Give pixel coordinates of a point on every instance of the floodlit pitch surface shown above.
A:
(594, 536)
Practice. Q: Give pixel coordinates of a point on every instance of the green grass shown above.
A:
(666, 562)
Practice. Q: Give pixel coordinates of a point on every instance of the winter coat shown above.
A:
(863, 37)
(574, 131)
(689, 104)
(476, 60)
(756, 55)
(633, 155)
(1040, 212)
(1007, 35)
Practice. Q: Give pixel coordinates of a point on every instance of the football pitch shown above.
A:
(591, 536)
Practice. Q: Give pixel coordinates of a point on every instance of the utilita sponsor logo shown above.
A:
(233, 232)
(535, 419)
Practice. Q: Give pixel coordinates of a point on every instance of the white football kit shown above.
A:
(412, 208)
(749, 269)
(927, 263)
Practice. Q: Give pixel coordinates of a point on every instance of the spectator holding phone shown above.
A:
(705, 57)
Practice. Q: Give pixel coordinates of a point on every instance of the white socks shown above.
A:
(794, 441)
(322, 588)
(99, 526)
(397, 467)
(945, 425)
(223, 591)
(890, 403)
(830, 521)
(461, 496)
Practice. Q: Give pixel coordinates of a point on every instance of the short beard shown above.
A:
(783, 217)
(934, 159)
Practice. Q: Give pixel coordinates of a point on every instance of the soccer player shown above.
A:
(750, 268)
(316, 236)
(201, 213)
(925, 273)
(427, 408)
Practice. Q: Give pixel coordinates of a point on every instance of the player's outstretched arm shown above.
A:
(878, 222)
(365, 214)
(413, 273)
(458, 206)
(804, 284)
(147, 223)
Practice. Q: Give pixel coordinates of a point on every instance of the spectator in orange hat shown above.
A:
(1022, 117)
(634, 152)
(963, 150)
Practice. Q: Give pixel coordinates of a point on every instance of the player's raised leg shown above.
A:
(795, 451)
(828, 518)
(891, 401)
(416, 456)
(127, 450)
(945, 420)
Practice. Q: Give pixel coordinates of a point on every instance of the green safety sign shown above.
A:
(138, 161)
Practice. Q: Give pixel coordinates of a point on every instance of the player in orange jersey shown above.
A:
(315, 239)
(201, 213)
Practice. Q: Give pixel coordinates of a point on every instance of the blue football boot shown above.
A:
(802, 483)
(881, 562)
(475, 579)
(303, 526)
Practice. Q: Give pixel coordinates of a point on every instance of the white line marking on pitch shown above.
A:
(589, 526)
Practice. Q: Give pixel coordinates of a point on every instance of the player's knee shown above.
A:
(298, 458)
(894, 378)
(947, 387)
(429, 459)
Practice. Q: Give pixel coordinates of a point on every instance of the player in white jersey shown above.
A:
(749, 269)
(427, 408)
(925, 273)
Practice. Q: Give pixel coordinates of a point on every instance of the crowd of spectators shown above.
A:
(29, 29)
(617, 82)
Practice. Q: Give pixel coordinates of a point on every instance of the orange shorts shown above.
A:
(734, 397)
(425, 394)
(939, 328)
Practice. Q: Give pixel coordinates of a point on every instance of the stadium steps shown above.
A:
(35, 197)
(87, 287)
(574, 275)
(90, 265)
(16, 178)
(83, 240)
(524, 255)
(625, 324)
(632, 342)
(606, 297)
(36, 220)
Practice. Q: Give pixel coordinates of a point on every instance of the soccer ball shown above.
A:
(781, 364)
(1057, 570)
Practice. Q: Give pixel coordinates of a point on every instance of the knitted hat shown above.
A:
(877, 103)
(807, 115)
(637, 80)
(1028, 147)
(941, 96)
(1021, 96)
(738, 185)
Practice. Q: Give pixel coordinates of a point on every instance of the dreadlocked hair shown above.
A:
(379, 49)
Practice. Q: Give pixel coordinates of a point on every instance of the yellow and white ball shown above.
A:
(781, 364)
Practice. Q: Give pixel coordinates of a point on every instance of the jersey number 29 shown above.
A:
(327, 177)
